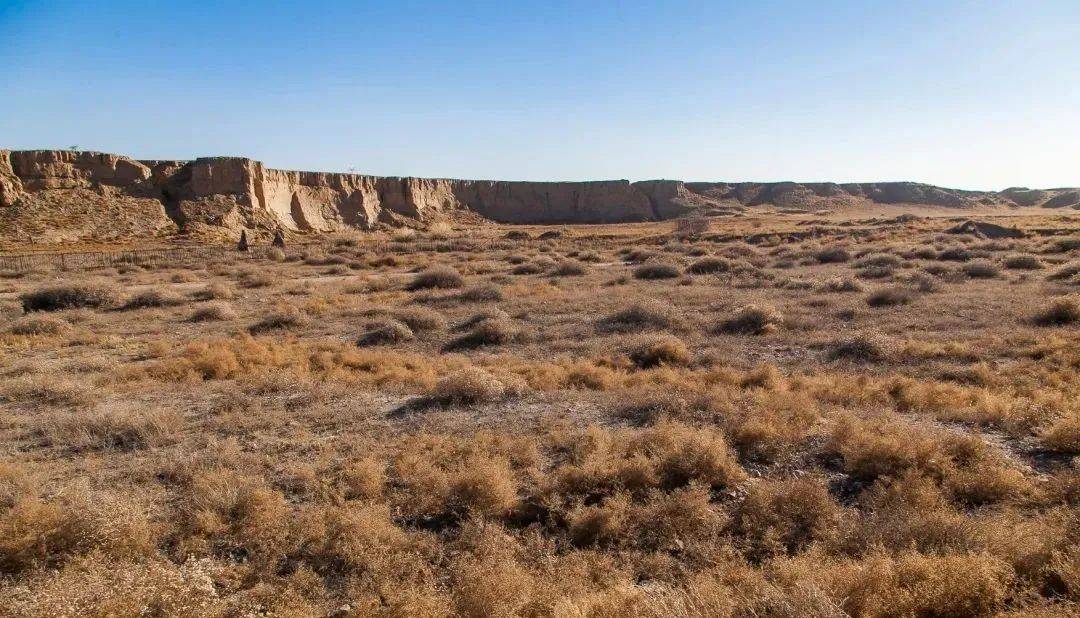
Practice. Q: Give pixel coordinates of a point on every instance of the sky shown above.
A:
(977, 95)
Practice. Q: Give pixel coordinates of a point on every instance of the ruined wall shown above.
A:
(80, 191)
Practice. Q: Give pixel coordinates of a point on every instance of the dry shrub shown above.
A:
(661, 349)
(420, 319)
(39, 326)
(690, 227)
(488, 293)
(440, 230)
(785, 516)
(38, 533)
(69, 296)
(1062, 435)
(766, 425)
(889, 297)
(483, 486)
(486, 332)
(440, 277)
(471, 385)
(874, 448)
(1060, 312)
(1065, 273)
(981, 269)
(385, 332)
(152, 298)
(363, 479)
(860, 349)
(286, 319)
(910, 584)
(601, 524)
(710, 265)
(224, 510)
(48, 391)
(96, 585)
(256, 279)
(842, 284)
(403, 234)
(491, 585)
(122, 430)
(833, 255)
(1023, 262)
(569, 268)
(886, 260)
(216, 291)
(753, 320)
(213, 312)
(657, 270)
(357, 537)
(682, 454)
(645, 315)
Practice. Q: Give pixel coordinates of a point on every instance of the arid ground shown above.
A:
(782, 415)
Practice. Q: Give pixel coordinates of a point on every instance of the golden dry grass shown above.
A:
(875, 419)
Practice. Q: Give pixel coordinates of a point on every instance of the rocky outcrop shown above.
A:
(65, 191)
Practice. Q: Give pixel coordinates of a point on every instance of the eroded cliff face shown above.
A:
(70, 195)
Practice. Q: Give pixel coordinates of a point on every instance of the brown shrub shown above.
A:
(753, 320)
(860, 349)
(646, 315)
(663, 349)
(152, 298)
(489, 331)
(215, 291)
(363, 479)
(569, 268)
(212, 312)
(483, 486)
(122, 430)
(255, 279)
(420, 319)
(1060, 312)
(385, 332)
(981, 269)
(832, 255)
(889, 297)
(69, 296)
(710, 265)
(285, 319)
(1062, 435)
(39, 326)
(441, 277)
(481, 294)
(468, 386)
(656, 270)
(785, 516)
(1023, 262)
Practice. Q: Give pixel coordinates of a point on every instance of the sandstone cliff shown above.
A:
(69, 195)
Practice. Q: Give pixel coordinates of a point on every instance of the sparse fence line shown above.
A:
(78, 260)
(81, 260)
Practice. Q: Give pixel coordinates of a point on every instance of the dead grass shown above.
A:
(585, 444)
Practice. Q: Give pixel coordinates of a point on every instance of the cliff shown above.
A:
(67, 195)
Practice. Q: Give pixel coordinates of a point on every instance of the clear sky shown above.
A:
(979, 95)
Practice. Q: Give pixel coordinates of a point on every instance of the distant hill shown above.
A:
(61, 195)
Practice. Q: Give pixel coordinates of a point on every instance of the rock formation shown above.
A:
(69, 195)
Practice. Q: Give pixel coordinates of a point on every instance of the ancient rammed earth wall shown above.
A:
(229, 194)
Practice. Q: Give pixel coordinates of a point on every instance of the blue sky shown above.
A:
(966, 94)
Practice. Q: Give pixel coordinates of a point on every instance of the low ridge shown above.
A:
(63, 195)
